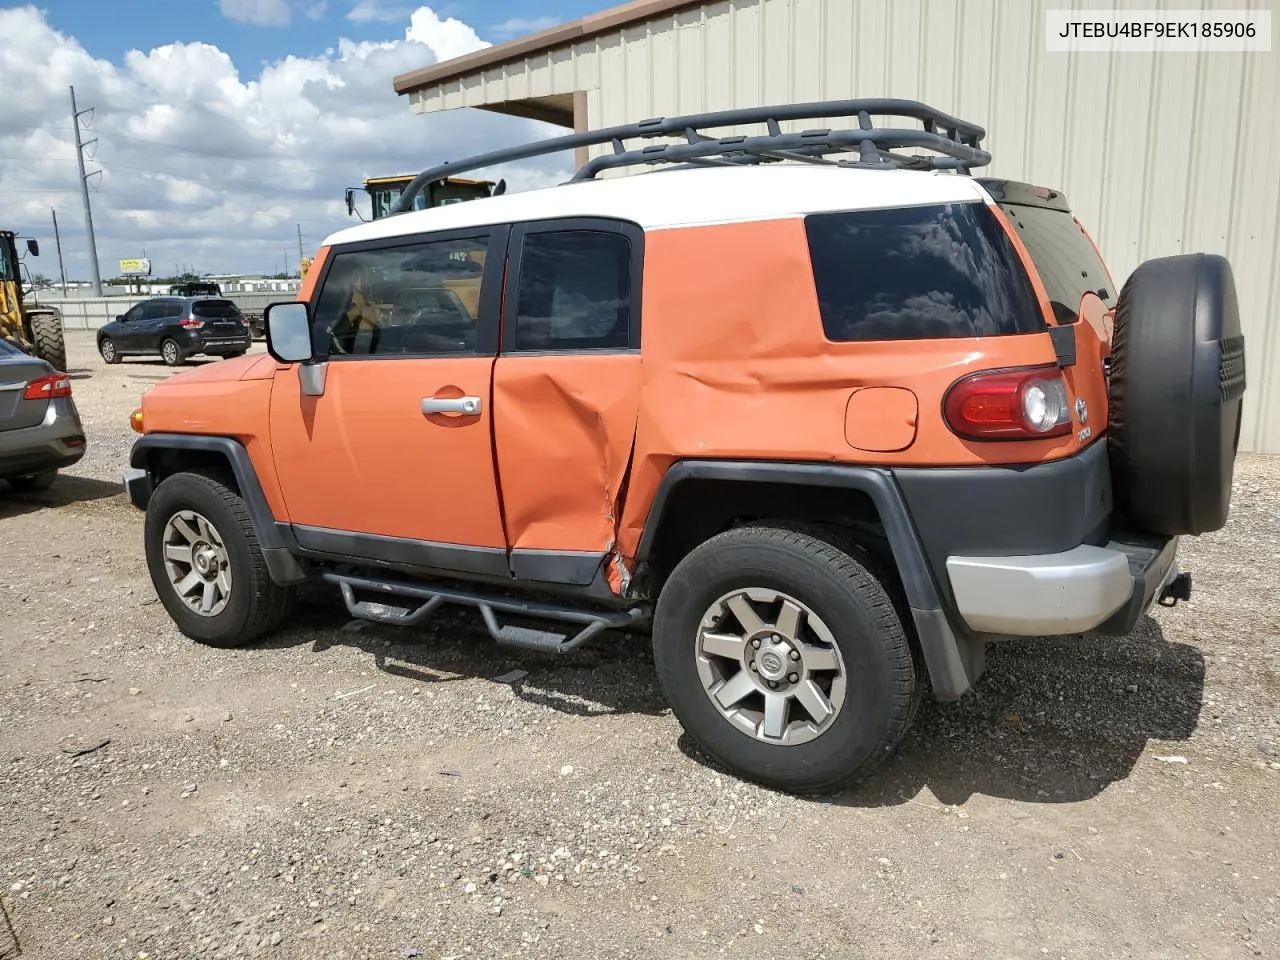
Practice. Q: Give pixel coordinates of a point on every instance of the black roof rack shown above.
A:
(957, 142)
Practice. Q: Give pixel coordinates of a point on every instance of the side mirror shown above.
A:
(119, 318)
(350, 202)
(289, 331)
(33, 247)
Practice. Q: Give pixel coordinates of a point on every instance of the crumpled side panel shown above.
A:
(736, 365)
(563, 431)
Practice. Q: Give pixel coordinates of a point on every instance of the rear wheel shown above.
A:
(206, 563)
(50, 344)
(36, 481)
(784, 658)
(171, 352)
(108, 350)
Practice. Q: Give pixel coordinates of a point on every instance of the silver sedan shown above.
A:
(40, 429)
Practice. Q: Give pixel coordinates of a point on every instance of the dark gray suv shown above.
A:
(175, 328)
(40, 430)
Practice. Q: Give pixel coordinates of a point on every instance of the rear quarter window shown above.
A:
(919, 273)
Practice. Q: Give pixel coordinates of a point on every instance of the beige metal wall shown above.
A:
(1157, 153)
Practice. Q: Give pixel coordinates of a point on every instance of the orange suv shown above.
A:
(825, 416)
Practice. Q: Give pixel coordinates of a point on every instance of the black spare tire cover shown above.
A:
(1176, 395)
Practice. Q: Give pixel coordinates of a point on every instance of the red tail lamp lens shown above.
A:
(1027, 404)
(48, 387)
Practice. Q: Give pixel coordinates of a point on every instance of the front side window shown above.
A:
(7, 268)
(574, 291)
(918, 273)
(411, 299)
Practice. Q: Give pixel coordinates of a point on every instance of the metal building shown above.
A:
(1157, 153)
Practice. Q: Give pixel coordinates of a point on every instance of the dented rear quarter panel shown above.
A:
(736, 366)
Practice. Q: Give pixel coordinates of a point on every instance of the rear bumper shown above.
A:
(55, 442)
(219, 345)
(1107, 588)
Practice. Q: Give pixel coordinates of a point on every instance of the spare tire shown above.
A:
(1176, 395)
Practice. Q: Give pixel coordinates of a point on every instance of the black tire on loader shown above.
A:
(47, 336)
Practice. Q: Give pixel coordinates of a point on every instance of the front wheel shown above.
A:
(108, 350)
(171, 352)
(206, 563)
(784, 657)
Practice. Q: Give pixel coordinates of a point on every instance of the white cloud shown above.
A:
(518, 26)
(317, 10)
(447, 38)
(374, 11)
(262, 13)
(206, 165)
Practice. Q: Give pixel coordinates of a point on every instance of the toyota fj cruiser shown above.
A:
(826, 426)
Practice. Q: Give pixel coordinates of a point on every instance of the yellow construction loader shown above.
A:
(385, 191)
(32, 328)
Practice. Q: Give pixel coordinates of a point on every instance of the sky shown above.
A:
(222, 126)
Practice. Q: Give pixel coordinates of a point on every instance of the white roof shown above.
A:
(682, 197)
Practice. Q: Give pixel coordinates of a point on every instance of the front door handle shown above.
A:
(469, 406)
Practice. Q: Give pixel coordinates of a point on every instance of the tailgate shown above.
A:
(222, 318)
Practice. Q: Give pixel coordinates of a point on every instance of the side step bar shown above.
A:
(431, 598)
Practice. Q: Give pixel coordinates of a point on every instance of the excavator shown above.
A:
(30, 327)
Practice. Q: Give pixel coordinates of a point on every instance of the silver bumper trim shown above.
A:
(1041, 595)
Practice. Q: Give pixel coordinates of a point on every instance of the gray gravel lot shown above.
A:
(350, 790)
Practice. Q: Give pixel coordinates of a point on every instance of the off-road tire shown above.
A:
(882, 680)
(1176, 395)
(107, 350)
(35, 481)
(174, 358)
(48, 339)
(257, 605)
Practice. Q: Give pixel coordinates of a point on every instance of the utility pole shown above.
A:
(84, 192)
(301, 255)
(57, 240)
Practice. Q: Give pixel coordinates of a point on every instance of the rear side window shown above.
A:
(575, 291)
(919, 273)
(1065, 259)
(215, 309)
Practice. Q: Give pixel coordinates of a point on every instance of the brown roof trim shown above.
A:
(614, 18)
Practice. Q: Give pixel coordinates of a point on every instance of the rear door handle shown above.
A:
(469, 406)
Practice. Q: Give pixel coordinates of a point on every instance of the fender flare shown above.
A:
(954, 661)
(281, 562)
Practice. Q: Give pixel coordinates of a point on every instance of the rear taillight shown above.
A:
(1025, 404)
(192, 324)
(48, 387)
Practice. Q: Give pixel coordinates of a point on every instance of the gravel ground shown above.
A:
(351, 790)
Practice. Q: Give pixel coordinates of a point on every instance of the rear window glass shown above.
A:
(919, 273)
(217, 309)
(9, 350)
(1065, 259)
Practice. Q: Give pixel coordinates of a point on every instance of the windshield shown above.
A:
(7, 266)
